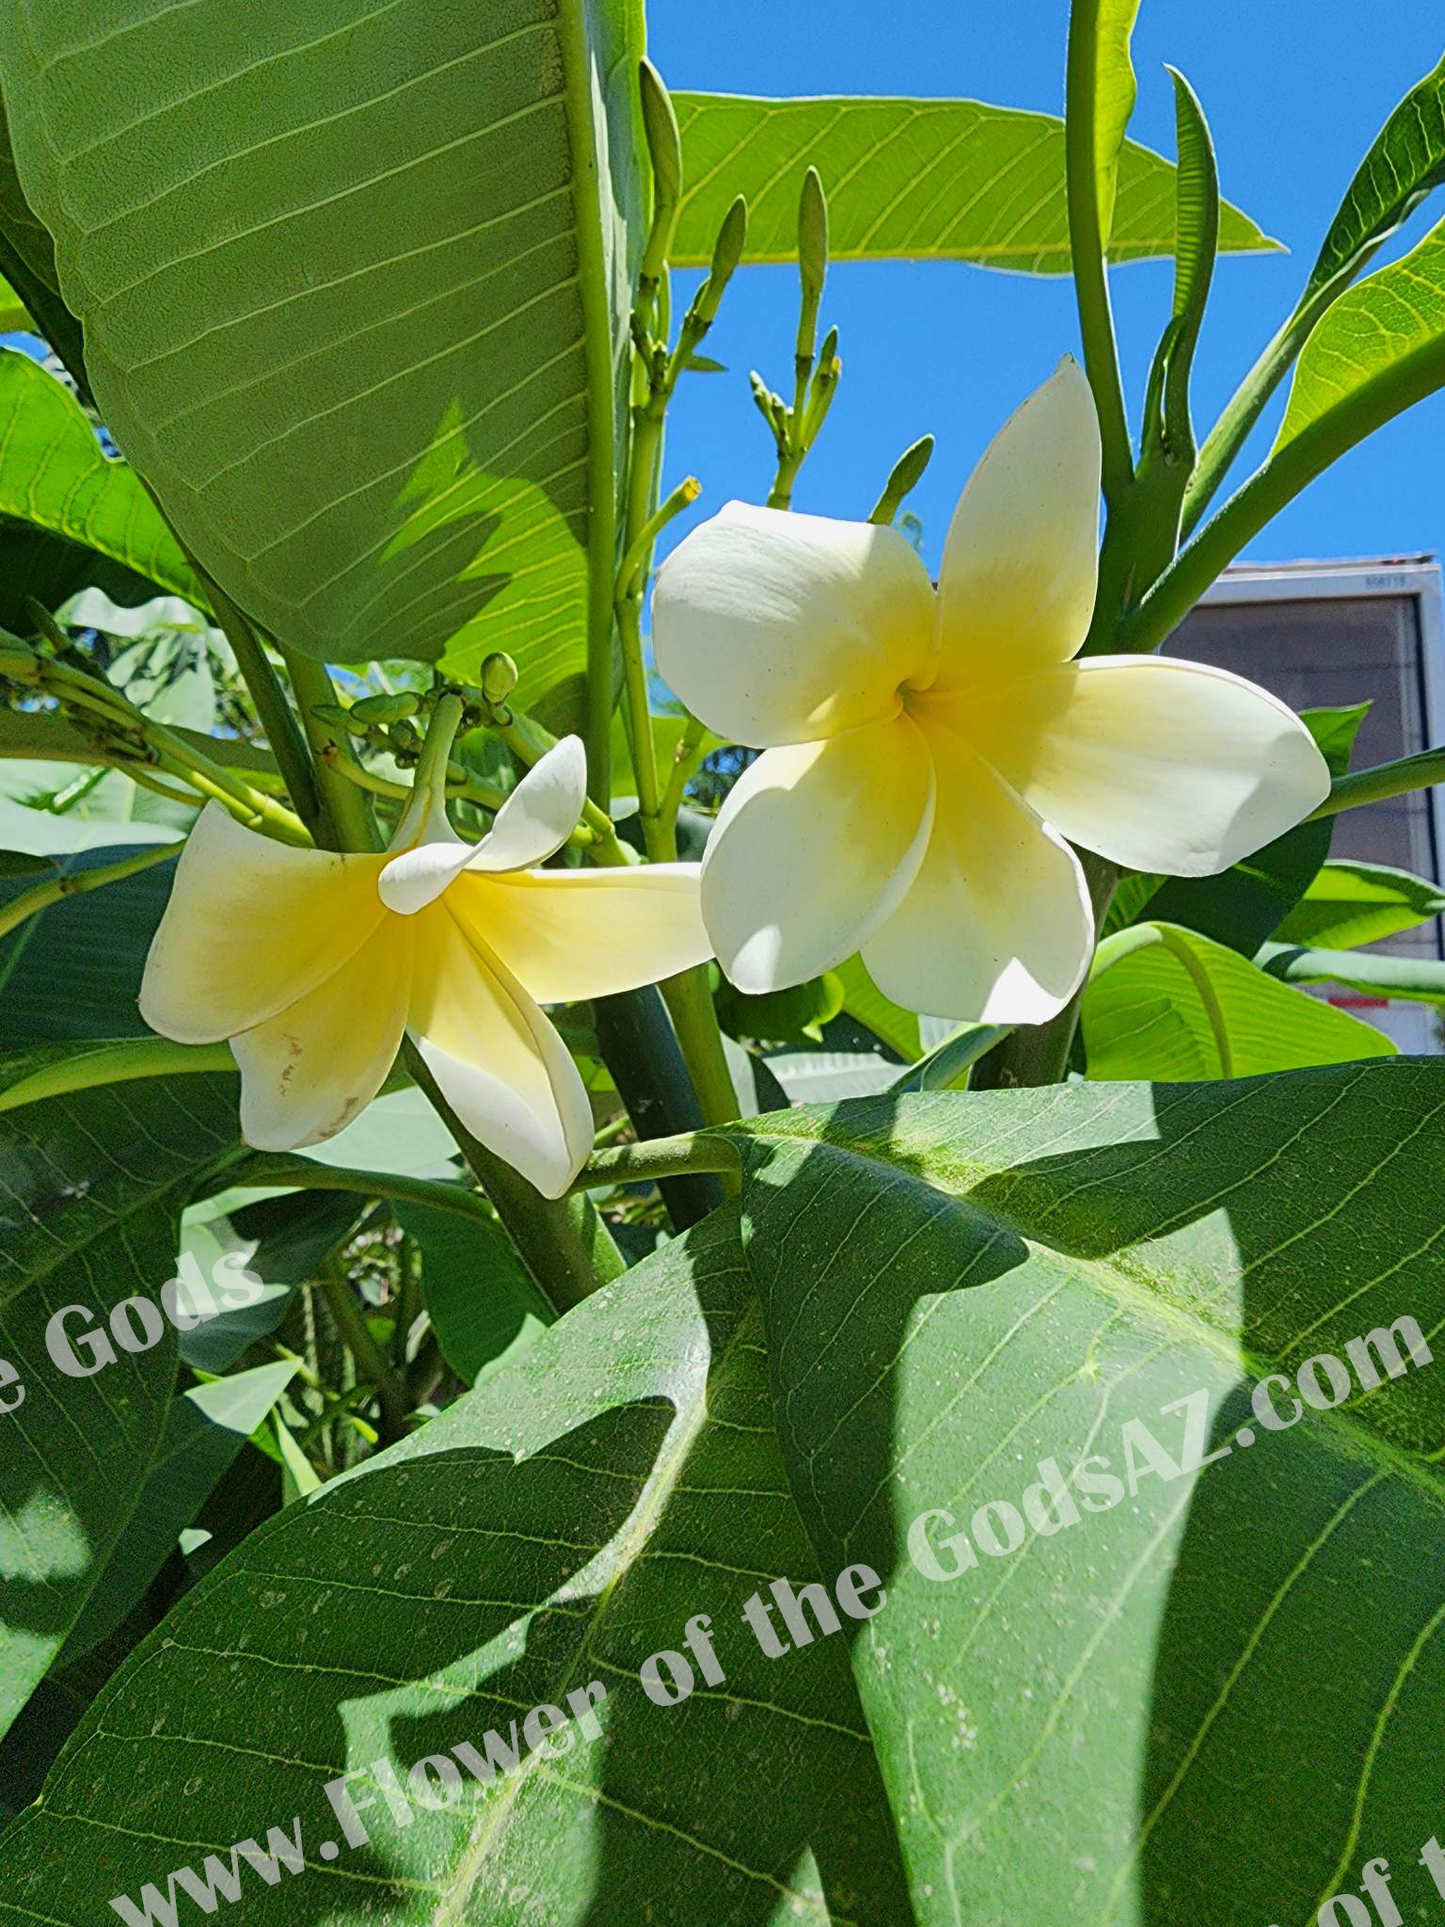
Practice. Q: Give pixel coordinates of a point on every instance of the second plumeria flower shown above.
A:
(315, 965)
(929, 752)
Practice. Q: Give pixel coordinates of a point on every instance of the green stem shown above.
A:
(1376, 785)
(630, 592)
(262, 1171)
(569, 1253)
(1288, 470)
(278, 718)
(1086, 244)
(1249, 400)
(371, 1361)
(30, 902)
(689, 1001)
(180, 755)
(346, 822)
(248, 806)
(594, 286)
(690, 754)
(84, 1067)
(663, 1157)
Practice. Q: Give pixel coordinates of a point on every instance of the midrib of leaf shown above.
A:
(1130, 1293)
(631, 1543)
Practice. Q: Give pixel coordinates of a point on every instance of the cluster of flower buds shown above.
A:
(396, 722)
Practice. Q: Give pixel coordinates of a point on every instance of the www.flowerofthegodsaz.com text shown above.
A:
(789, 1619)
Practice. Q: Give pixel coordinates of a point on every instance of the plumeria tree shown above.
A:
(462, 1405)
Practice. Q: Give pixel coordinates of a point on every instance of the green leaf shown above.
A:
(27, 257)
(1378, 350)
(1405, 162)
(1419, 980)
(20, 863)
(1213, 1700)
(828, 1076)
(952, 180)
(483, 1304)
(1166, 1003)
(399, 1133)
(781, 1016)
(348, 279)
(55, 476)
(1349, 903)
(866, 1004)
(204, 1430)
(280, 1240)
(1115, 90)
(96, 1184)
(554, 1528)
(299, 1477)
(74, 970)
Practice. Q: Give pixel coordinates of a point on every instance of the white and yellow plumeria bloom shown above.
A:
(928, 752)
(313, 965)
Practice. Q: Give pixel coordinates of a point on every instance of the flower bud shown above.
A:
(812, 237)
(386, 709)
(907, 473)
(727, 252)
(664, 147)
(498, 677)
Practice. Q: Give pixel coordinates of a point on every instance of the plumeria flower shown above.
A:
(928, 752)
(314, 965)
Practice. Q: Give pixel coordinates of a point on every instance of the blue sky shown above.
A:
(1294, 90)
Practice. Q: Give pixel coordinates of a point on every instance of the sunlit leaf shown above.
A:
(1349, 903)
(953, 180)
(1168, 1004)
(347, 281)
(1087, 1728)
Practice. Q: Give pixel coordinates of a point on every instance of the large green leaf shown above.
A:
(1349, 903)
(349, 281)
(1166, 1003)
(953, 180)
(55, 476)
(556, 1527)
(205, 1428)
(95, 1183)
(1405, 161)
(1379, 349)
(1213, 1701)
(28, 259)
(1418, 980)
(74, 970)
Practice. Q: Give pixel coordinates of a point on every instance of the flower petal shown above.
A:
(310, 1069)
(500, 1064)
(781, 628)
(1156, 764)
(533, 823)
(540, 814)
(252, 925)
(567, 934)
(813, 849)
(998, 927)
(1020, 565)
